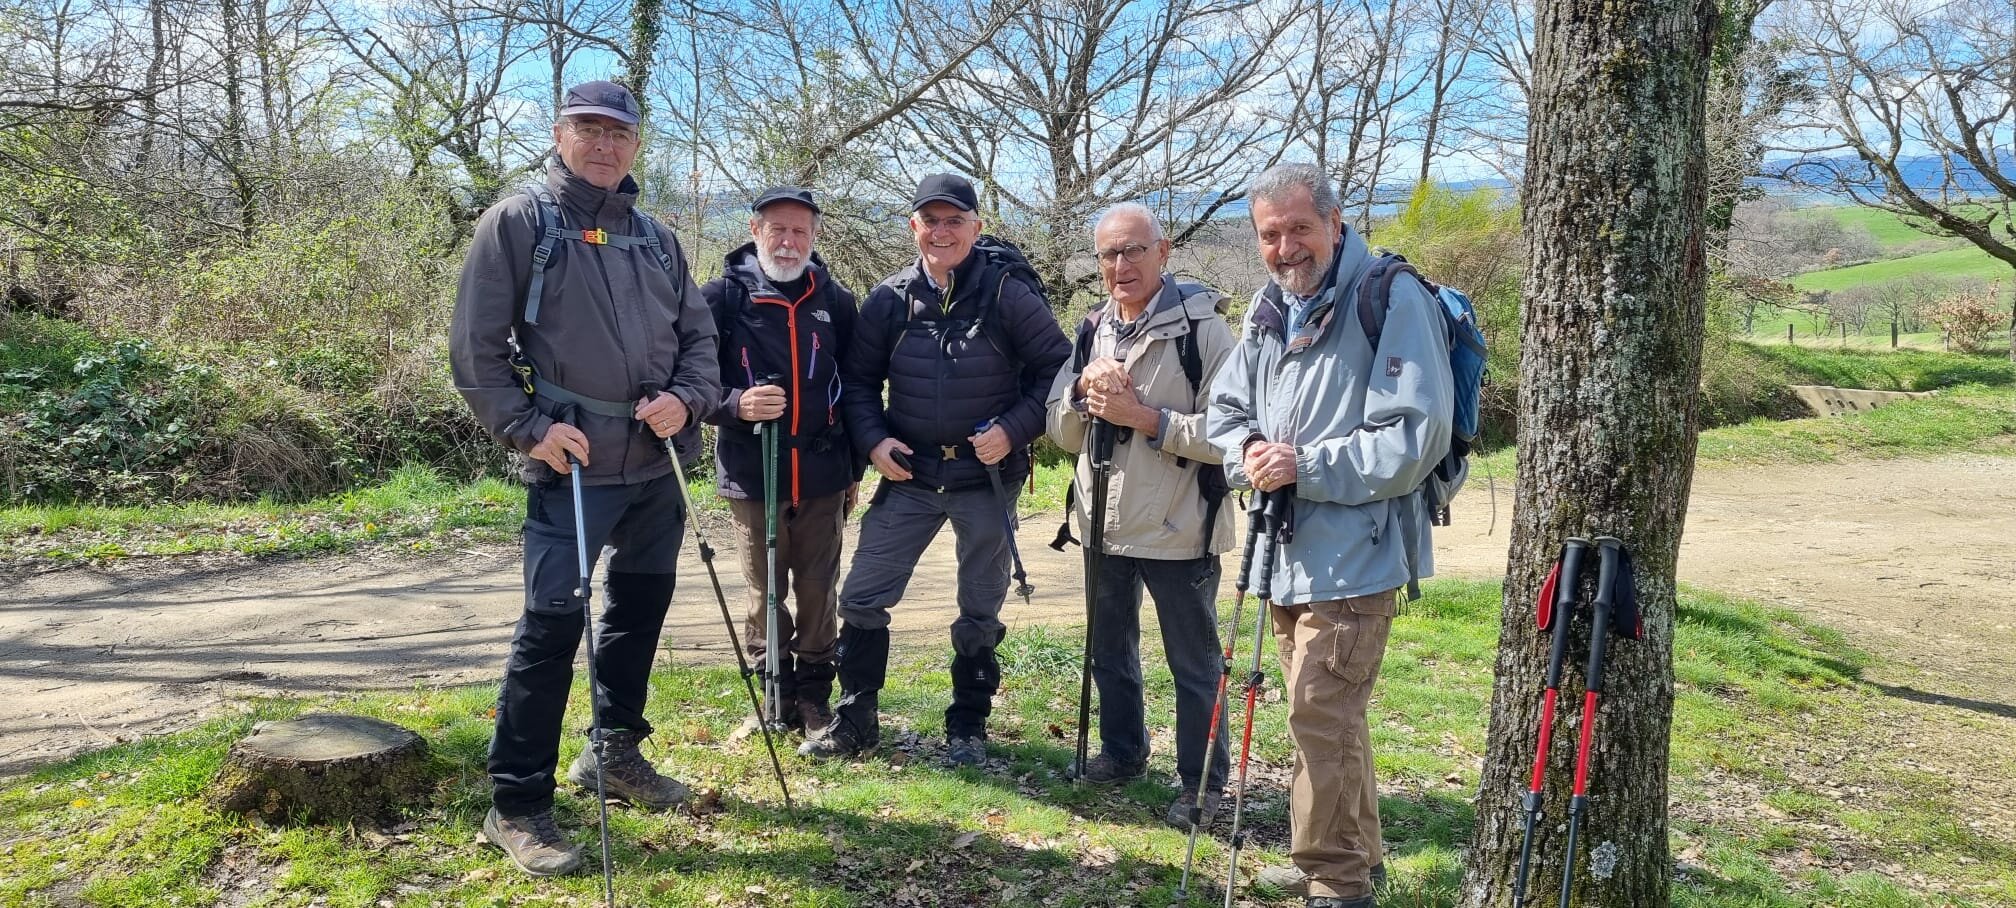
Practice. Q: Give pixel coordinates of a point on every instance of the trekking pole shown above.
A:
(1218, 711)
(1609, 549)
(1556, 611)
(1007, 506)
(1095, 561)
(734, 639)
(773, 658)
(1275, 531)
(581, 592)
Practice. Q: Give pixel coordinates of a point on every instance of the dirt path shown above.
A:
(1909, 558)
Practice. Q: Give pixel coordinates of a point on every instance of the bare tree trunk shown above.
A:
(234, 117)
(157, 63)
(646, 24)
(1608, 403)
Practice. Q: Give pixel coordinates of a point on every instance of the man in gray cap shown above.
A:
(784, 323)
(966, 344)
(577, 328)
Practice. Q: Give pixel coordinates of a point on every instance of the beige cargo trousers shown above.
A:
(1330, 654)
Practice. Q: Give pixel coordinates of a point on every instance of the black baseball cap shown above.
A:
(604, 98)
(945, 187)
(797, 194)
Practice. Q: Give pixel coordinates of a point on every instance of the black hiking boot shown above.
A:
(1104, 769)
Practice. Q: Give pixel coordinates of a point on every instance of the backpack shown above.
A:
(1466, 366)
(1211, 484)
(551, 230)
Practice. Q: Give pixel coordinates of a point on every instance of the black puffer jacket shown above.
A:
(800, 340)
(990, 353)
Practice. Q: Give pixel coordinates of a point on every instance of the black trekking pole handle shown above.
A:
(1561, 611)
(692, 519)
(1609, 550)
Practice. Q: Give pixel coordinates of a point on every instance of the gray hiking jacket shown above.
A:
(1369, 426)
(1154, 508)
(610, 320)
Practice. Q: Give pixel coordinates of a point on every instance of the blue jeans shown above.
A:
(1185, 594)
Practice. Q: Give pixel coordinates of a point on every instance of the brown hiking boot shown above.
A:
(1103, 769)
(1179, 811)
(626, 773)
(1291, 879)
(812, 717)
(534, 843)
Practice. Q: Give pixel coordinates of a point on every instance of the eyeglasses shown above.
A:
(1132, 252)
(952, 223)
(596, 132)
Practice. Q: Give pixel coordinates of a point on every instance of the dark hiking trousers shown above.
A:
(642, 525)
(1184, 593)
(897, 529)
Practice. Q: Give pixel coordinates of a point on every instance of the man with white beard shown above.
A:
(783, 322)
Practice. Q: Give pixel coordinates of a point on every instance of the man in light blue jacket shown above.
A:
(1312, 407)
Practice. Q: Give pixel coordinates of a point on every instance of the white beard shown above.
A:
(775, 272)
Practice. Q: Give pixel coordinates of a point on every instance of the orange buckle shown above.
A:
(595, 236)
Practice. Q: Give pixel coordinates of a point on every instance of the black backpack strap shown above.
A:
(549, 234)
(649, 233)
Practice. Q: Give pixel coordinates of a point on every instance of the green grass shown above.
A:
(1888, 229)
(1968, 263)
(416, 509)
(127, 826)
(1885, 370)
(1969, 418)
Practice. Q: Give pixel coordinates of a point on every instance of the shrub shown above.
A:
(1968, 319)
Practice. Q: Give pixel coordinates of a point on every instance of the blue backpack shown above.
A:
(1466, 366)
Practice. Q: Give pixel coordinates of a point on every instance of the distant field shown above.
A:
(1966, 263)
(1888, 229)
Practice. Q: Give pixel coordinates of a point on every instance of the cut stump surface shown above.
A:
(322, 768)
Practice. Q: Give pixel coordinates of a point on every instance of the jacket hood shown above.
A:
(574, 191)
(1272, 313)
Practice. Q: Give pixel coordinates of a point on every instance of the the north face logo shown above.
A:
(823, 315)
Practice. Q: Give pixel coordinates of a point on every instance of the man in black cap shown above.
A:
(967, 346)
(784, 323)
(579, 338)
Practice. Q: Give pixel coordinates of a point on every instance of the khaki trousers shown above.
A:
(1330, 654)
(808, 570)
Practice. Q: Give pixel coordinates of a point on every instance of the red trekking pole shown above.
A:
(1276, 516)
(1610, 552)
(1556, 610)
(1218, 710)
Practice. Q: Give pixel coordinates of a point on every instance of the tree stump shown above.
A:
(322, 768)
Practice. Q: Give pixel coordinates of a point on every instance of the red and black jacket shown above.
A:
(799, 340)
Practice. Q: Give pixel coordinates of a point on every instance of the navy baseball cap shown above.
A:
(945, 187)
(604, 98)
(785, 194)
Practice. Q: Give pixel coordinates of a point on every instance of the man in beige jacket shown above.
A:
(1143, 362)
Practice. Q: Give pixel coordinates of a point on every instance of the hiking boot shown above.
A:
(627, 775)
(840, 738)
(1179, 811)
(966, 751)
(812, 717)
(1291, 880)
(1105, 770)
(1324, 901)
(534, 843)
